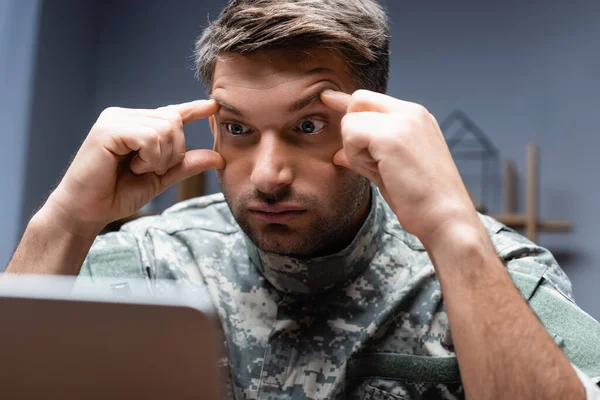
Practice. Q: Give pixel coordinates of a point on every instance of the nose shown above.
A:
(272, 165)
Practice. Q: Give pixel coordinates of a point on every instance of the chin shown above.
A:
(280, 239)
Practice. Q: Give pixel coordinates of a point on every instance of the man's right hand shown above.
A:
(129, 157)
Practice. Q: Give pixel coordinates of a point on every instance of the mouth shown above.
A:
(276, 213)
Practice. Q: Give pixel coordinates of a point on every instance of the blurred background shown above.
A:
(521, 73)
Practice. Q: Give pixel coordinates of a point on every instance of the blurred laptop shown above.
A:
(77, 339)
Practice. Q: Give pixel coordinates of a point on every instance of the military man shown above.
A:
(344, 256)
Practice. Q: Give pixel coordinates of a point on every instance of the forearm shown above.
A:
(503, 350)
(48, 246)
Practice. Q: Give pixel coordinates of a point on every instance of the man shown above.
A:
(343, 219)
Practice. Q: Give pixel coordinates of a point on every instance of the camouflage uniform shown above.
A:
(368, 322)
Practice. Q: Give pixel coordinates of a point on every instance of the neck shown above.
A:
(321, 273)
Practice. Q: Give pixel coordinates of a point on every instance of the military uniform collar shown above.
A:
(310, 276)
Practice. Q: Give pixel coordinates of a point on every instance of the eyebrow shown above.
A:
(295, 107)
(228, 107)
(305, 102)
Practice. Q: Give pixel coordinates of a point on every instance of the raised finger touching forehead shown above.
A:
(339, 101)
(367, 101)
(363, 101)
(195, 110)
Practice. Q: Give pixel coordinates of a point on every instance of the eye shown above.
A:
(236, 129)
(310, 126)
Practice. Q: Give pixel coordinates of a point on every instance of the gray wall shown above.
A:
(63, 95)
(144, 60)
(523, 72)
(18, 36)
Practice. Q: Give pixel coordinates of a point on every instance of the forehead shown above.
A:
(272, 69)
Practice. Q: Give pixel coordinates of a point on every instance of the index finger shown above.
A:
(198, 109)
(339, 101)
(366, 100)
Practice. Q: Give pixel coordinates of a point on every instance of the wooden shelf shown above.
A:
(528, 222)
(519, 221)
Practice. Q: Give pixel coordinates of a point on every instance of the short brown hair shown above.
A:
(355, 29)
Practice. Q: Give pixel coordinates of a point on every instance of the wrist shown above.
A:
(457, 234)
(54, 214)
(449, 221)
(48, 246)
(463, 255)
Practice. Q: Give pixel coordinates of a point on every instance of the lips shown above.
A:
(276, 213)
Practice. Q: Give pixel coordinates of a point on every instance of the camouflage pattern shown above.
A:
(365, 323)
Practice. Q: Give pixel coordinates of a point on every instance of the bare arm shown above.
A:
(48, 248)
(502, 348)
(128, 158)
(503, 351)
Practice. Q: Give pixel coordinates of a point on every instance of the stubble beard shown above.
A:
(328, 232)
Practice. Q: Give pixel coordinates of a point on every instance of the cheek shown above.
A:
(316, 162)
(317, 173)
(236, 173)
(235, 177)
(238, 160)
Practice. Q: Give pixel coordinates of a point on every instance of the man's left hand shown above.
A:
(399, 146)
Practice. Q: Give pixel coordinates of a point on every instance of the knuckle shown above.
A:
(361, 97)
(410, 123)
(346, 123)
(351, 140)
(351, 122)
(414, 119)
(153, 137)
(352, 136)
(166, 129)
(361, 94)
(109, 111)
(176, 158)
(169, 137)
(421, 113)
(348, 119)
(171, 115)
(176, 118)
